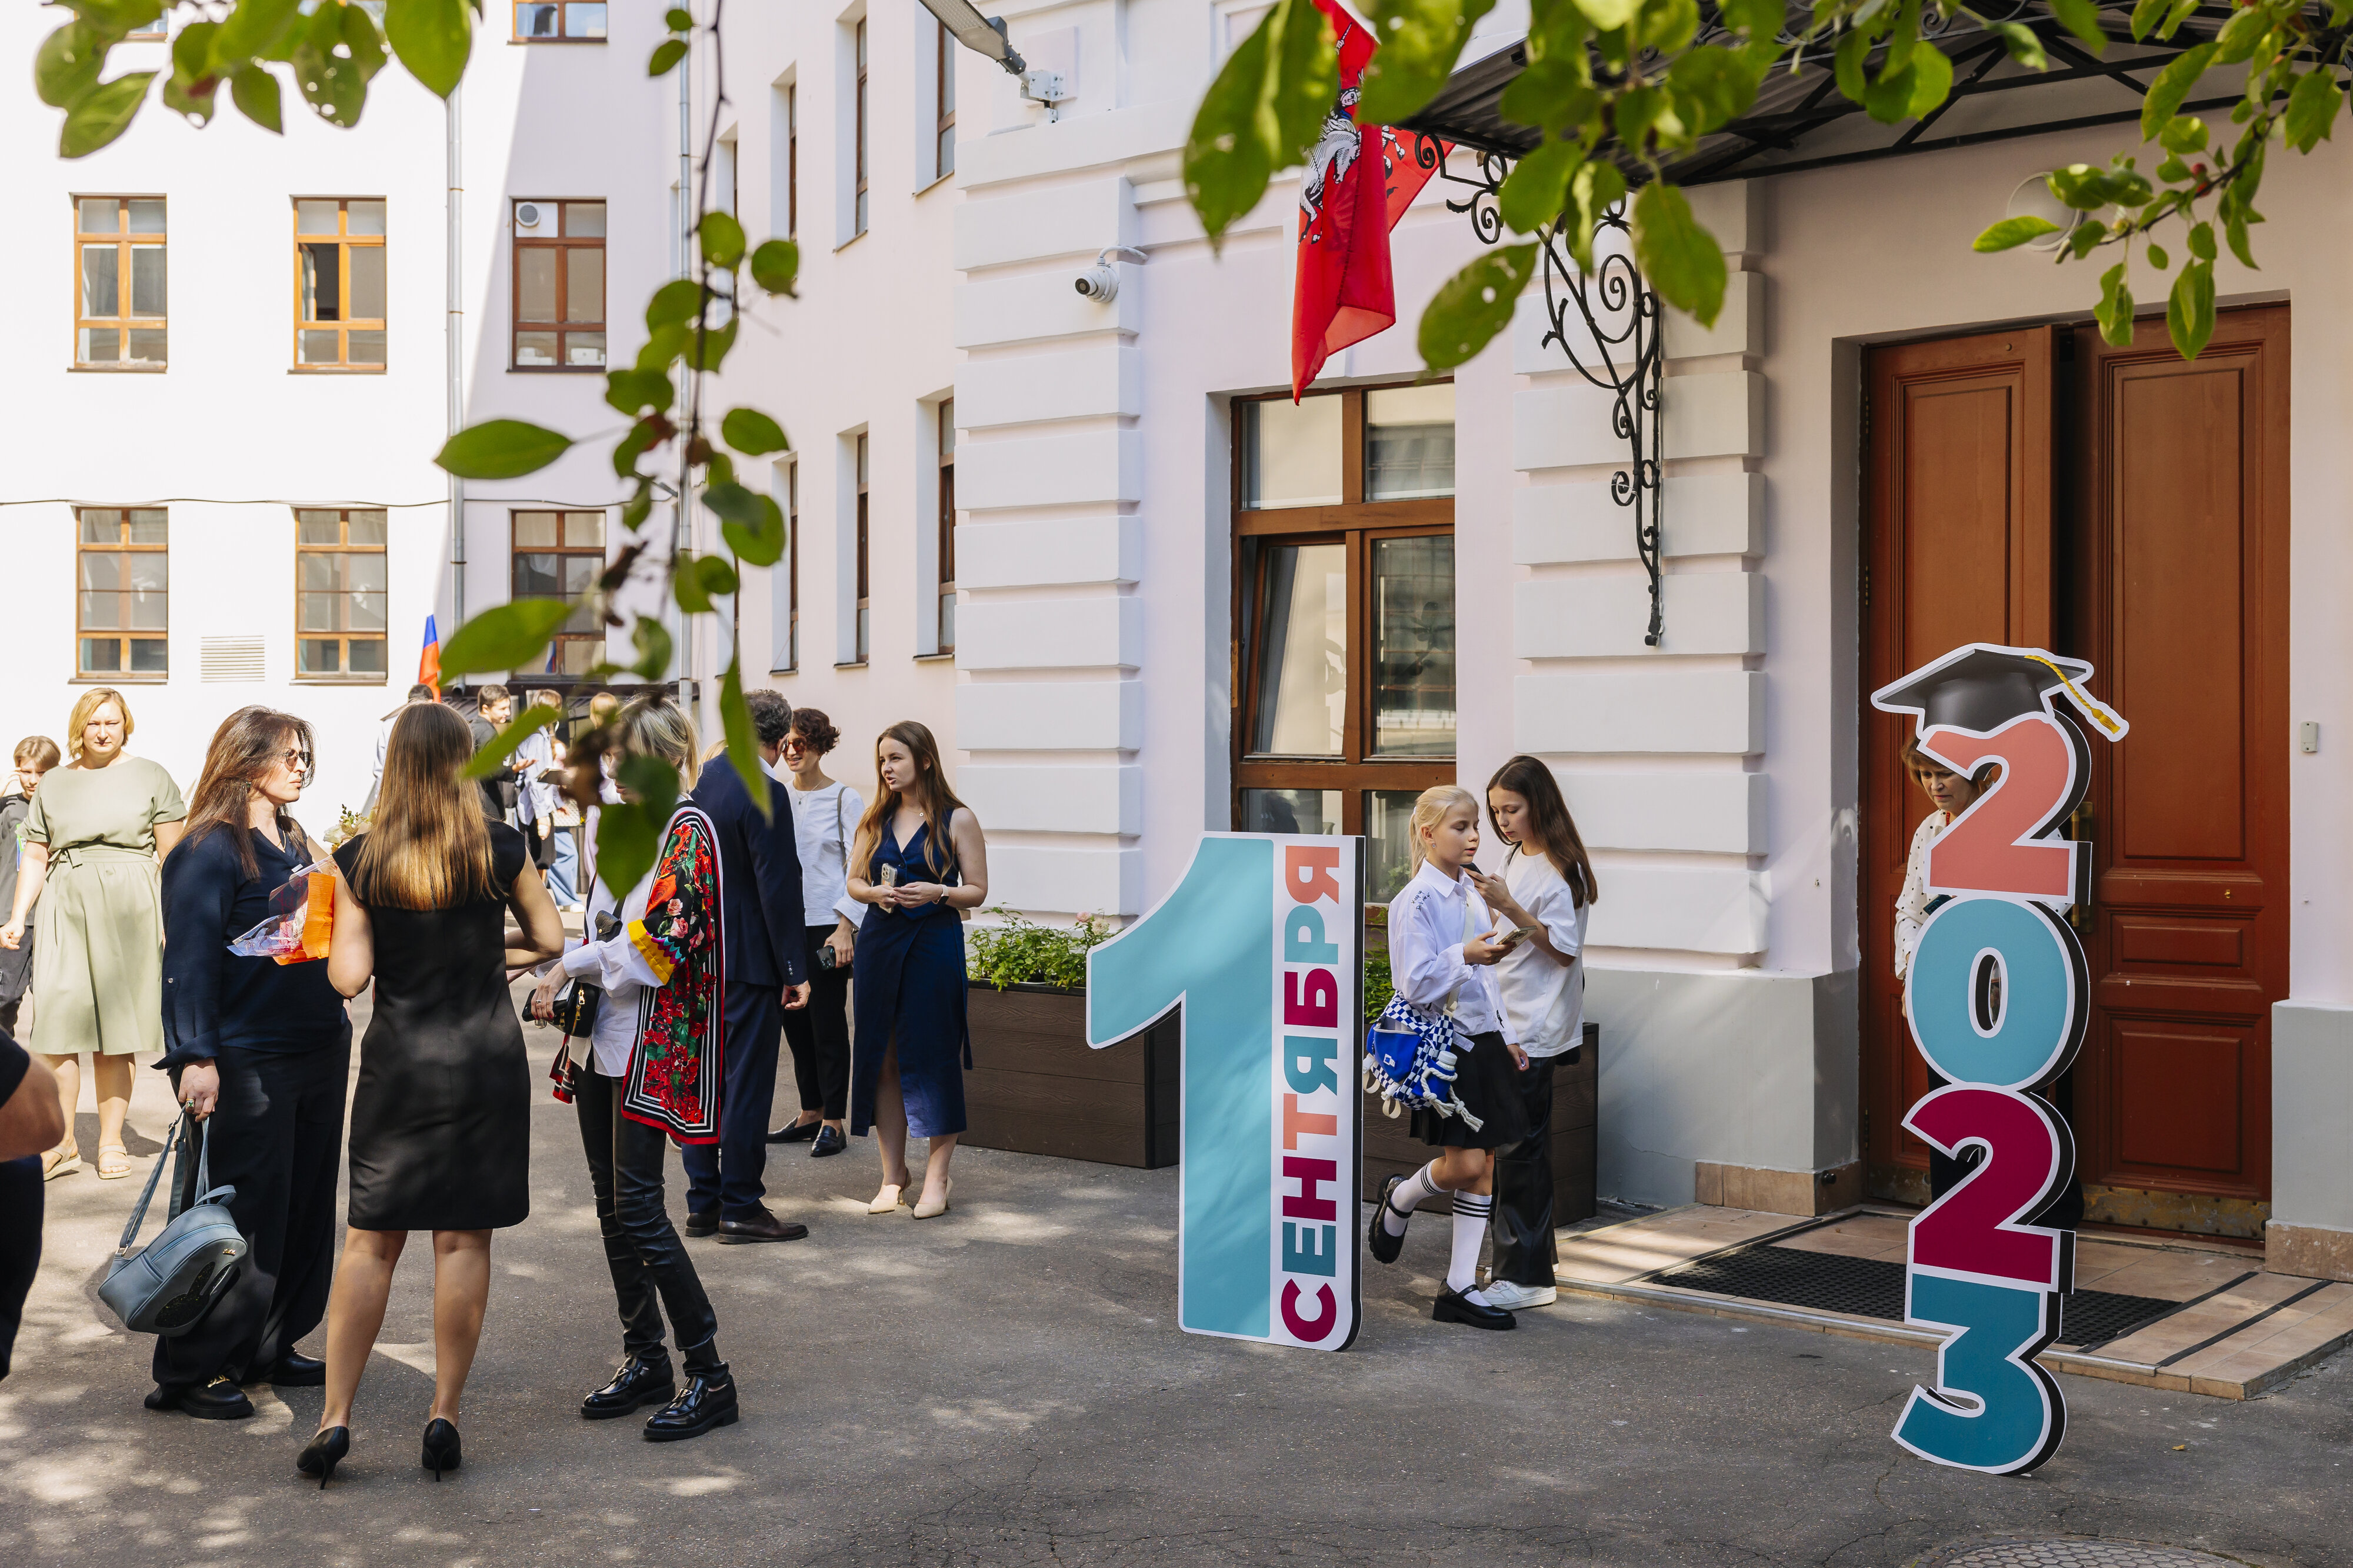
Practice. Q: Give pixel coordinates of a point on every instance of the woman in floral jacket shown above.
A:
(649, 1070)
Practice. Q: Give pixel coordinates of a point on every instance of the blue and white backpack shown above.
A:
(1409, 1059)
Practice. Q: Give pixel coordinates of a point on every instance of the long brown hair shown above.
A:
(248, 743)
(940, 802)
(1551, 831)
(429, 844)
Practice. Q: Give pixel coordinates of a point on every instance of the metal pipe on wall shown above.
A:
(455, 346)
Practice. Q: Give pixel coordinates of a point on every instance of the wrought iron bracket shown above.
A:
(1608, 324)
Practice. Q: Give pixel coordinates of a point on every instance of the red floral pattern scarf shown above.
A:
(680, 1061)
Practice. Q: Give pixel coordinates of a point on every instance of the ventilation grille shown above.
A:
(232, 658)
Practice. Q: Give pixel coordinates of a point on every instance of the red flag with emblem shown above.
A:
(1359, 183)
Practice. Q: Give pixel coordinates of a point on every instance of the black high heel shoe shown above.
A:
(441, 1450)
(322, 1453)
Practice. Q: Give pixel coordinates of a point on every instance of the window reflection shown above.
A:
(1413, 647)
(1302, 662)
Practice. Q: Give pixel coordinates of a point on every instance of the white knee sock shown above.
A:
(1471, 1211)
(1411, 1193)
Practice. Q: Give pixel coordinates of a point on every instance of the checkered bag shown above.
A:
(1409, 1062)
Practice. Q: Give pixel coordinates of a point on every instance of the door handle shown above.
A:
(2079, 828)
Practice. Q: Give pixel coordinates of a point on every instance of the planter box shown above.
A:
(1391, 1148)
(1036, 1088)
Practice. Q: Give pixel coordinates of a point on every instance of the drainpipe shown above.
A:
(454, 350)
(680, 635)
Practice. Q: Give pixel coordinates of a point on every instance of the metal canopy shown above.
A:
(1800, 120)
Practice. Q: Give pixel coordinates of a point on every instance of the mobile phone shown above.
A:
(890, 877)
(1513, 938)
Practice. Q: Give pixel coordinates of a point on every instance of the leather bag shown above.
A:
(168, 1286)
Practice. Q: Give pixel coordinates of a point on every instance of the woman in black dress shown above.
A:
(441, 1122)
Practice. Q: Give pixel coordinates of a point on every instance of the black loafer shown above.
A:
(829, 1141)
(1453, 1307)
(295, 1370)
(703, 1223)
(764, 1226)
(795, 1132)
(219, 1400)
(639, 1382)
(1384, 1246)
(708, 1400)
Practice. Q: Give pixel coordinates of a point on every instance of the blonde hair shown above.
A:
(1430, 809)
(656, 727)
(89, 702)
(427, 845)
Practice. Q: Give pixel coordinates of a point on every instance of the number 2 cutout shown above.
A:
(1977, 1228)
(1999, 844)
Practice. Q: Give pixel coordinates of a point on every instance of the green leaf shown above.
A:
(103, 113)
(633, 392)
(500, 450)
(2171, 89)
(2012, 232)
(367, 47)
(664, 346)
(1536, 190)
(719, 578)
(1474, 305)
(1420, 40)
(776, 265)
(2201, 241)
(678, 20)
(2181, 12)
(1551, 95)
(67, 63)
(628, 837)
(718, 467)
(654, 782)
(1608, 16)
(666, 55)
(2312, 109)
(495, 750)
(1262, 113)
(2023, 45)
(2085, 237)
(1666, 25)
(675, 303)
(2183, 134)
(761, 542)
(722, 239)
(1593, 190)
(197, 107)
(686, 588)
(2082, 18)
(1712, 86)
(2114, 310)
(255, 92)
(639, 505)
(2145, 15)
(512, 635)
(706, 350)
(651, 640)
(2157, 257)
(2238, 37)
(1846, 65)
(1913, 91)
(332, 84)
(2234, 233)
(2190, 309)
(1679, 258)
(742, 738)
(433, 38)
(253, 27)
(640, 438)
(1901, 34)
(753, 432)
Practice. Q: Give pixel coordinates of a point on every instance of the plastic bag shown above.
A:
(301, 919)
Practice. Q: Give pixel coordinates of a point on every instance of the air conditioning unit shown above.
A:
(527, 214)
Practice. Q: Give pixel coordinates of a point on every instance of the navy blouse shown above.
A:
(212, 997)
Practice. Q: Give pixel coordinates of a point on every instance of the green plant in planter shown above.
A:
(1021, 951)
(1378, 987)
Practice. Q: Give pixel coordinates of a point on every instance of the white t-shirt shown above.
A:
(1544, 999)
(825, 823)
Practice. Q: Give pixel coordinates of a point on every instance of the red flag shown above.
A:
(1359, 183)
(429, 661)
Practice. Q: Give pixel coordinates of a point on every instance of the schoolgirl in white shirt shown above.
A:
(1442, 950)
(1548, 886)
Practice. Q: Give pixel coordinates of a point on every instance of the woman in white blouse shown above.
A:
(1950, 793)
(1441, 956)
(825, 818)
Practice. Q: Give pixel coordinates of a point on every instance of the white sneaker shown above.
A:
(1512, 1297)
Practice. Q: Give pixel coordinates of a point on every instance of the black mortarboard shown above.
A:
(1980, 687)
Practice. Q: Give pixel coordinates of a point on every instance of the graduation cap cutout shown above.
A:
(1979, 687)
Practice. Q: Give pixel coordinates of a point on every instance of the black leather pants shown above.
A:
(641, 1246)
(1522, 1227)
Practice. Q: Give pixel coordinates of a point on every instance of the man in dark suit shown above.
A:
(760, 914)
(496, 708)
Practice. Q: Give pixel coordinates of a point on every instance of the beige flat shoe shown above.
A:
(55, 1162)
(926, 1209)
(888, 1200)
(113, 1161)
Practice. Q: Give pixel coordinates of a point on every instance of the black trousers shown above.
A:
(725, 1175)
(819, 1036)
(276, 1136)
(641, 1246)
(1525, 1250)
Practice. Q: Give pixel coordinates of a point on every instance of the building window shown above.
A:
(1344, 533)
(161, 27)
(793, 160)
(119, 296)
(560, 555)
(559, 285)
(339, 284)
(947, 525)
(559, 21)
(859, 654)
(943, 94)
(121, 572)
(789, 603)
(858, 216)
(339, 574)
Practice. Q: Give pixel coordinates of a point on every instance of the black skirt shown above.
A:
(1486, 1080)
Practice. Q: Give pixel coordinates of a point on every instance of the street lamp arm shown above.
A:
(981, 34)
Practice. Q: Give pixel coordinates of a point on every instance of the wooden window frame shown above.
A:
(1357, 524)
(944, 106)
(122, 323)
(792, 567)
(343, 674)
(561, 549)
(863, 631)
(792, 160)
(858, 209)
(563, 244)
(345, 242)
(945, 624)
(122, 636)
(562, 18)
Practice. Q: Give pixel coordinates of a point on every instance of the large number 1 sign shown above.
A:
(1261, 946)
(1996, 998)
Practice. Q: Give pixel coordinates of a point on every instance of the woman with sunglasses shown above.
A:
(826, 813)
(259, 1053)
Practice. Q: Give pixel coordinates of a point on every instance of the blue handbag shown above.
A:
(168, 1286)
(1409, 1062)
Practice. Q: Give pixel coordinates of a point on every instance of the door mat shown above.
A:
(1874, 1288)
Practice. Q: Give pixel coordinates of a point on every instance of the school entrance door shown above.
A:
(2040, 487)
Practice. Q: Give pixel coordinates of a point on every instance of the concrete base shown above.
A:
(1806, 1192)
(2308, 1251)
(2311, 1228)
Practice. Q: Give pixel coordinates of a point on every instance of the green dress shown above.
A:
(98, 954)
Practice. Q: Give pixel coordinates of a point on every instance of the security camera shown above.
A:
(1101, 281)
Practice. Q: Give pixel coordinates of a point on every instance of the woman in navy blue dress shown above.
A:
(917, 864)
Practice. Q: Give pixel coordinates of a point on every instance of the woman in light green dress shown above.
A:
(97, 836)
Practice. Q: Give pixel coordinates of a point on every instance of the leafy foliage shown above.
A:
(1379, 986)
(1022, 951)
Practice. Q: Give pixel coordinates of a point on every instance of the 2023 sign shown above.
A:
(1996, 998)
(1262, 945)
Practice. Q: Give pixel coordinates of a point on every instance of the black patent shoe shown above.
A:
(798, 1133)
(703, 1223)
(1453, 1307)
(322, 1453)
(1384, 1246)
(441, 1449)
(708, 1400)
(295, 1370)
(219, 1400)
(829, 1141)
(640, 1381)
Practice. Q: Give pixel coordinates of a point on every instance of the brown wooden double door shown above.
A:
(2040, 487)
